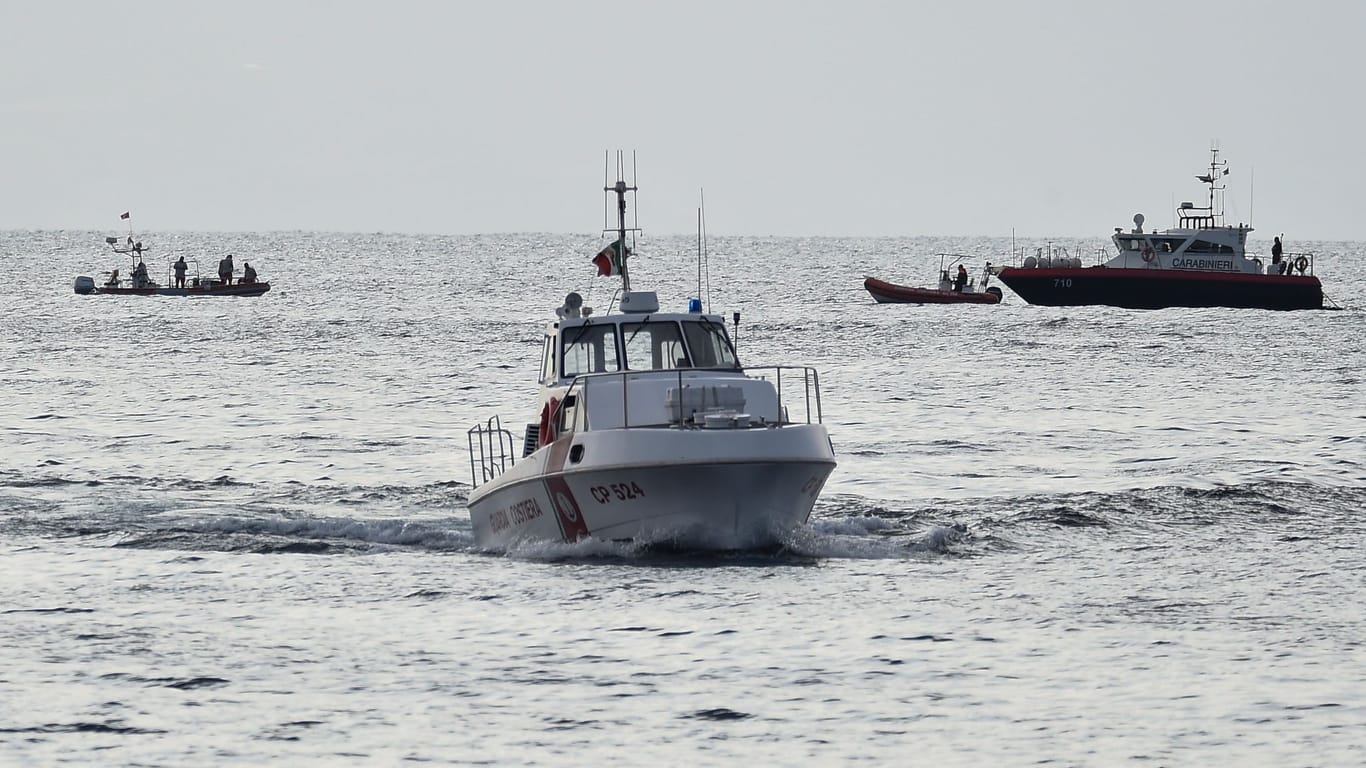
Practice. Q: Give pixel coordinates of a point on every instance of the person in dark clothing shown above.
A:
(180, 268)
(225, 270)
(960, 280)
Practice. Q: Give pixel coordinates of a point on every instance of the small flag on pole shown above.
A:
(123, 215)
(608, 260)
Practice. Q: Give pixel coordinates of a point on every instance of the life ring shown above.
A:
(547, 435)
(1302, 264)
(1148, 254)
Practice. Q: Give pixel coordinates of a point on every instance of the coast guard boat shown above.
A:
(650, 430)
(1202, 262)
(947, 292)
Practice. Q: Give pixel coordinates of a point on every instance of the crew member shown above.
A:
(960, 280)
(225, 270)
(248, 273)
(180, 268)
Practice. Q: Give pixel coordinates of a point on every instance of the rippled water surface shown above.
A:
(233, 532)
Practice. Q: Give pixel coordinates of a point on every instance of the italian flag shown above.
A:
(608, 260)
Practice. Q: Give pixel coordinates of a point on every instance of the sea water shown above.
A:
(233, 531)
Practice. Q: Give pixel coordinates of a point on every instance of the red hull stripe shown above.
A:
(572, 525)
(1122, 273)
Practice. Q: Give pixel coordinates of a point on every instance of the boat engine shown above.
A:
(85, 285)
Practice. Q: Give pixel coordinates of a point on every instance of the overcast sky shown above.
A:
(797, 118)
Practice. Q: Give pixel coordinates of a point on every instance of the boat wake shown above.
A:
(305, 536)
(229, 516)
(220, 515)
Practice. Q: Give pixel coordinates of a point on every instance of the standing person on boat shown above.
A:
(180, 268)
(225, 270)
(140, 275)
(1276, 252)
(248, 273)
(960, 280)
(113, 278)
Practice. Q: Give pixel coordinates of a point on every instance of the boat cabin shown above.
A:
(1177, 240)
(645, 368)
(1198, 243)
(635, 341)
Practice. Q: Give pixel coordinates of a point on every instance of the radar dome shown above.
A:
(571, 306)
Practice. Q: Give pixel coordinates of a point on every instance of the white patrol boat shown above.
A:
(1201, 262)
(649, 430)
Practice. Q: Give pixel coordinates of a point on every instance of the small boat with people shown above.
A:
(1201, 262)
(647, 428)
(182, 276)
(955, 286)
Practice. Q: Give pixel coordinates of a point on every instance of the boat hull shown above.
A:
(1161, 288)
(240, 289)
(890, 293)
(686, 489)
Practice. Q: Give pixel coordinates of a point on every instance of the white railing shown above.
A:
(496, 451)
(493, 448)
(1293, 261)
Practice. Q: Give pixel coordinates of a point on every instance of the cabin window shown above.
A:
(1205, 246)
(653, 346)
(710, 346)
(589, 349)
(1131, 244)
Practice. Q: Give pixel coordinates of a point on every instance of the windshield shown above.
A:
(710, 346)
(590, 349)
(654, 346)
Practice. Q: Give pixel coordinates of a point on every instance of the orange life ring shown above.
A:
(547, 435)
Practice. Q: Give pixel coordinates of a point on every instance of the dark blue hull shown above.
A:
(1160, 288)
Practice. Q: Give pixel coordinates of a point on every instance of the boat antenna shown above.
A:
(1217, 170)
(699, 253)
(1213, 162)
(133, 247)
(620, 190)
(703, 257)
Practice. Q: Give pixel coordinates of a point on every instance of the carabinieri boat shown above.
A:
(650, 430)
(1202, 262)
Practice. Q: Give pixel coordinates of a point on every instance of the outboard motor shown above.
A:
(85, 285)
